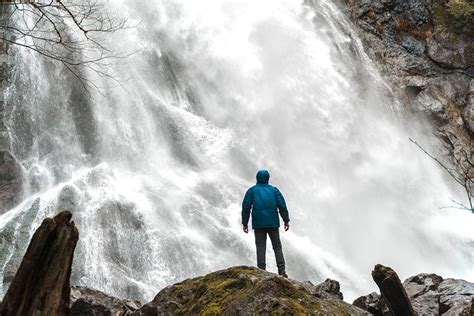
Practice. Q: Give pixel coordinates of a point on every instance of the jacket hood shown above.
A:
(263, 176)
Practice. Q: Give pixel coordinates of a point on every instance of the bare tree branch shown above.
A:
(71, 32)
(463, 176)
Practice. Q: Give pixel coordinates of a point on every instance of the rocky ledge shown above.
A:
(248, 291)
(41, 287)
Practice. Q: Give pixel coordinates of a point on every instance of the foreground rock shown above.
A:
(392, 291)
(426, 49)
(89, 302)
(247, 291)
(41, 284)
(429, 294)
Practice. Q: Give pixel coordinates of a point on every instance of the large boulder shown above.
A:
(246, 291)
(433, 295)
(10, 181)
(41, 284)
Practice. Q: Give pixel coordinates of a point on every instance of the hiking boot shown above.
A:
(283, 274)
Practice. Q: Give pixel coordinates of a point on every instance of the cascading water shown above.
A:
(154, 170)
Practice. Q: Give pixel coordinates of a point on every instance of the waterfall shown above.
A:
(154, 168)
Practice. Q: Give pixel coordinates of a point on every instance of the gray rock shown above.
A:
(421, 290)
(446, 51)
(454, 294)
(373, 303)
(331, 287)
(468, 112)
(431, 295)
(413, 46)
(426, 50)
(86, 301)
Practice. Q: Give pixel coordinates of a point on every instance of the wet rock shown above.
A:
(421, 290)
(425, 48)
(429, 294)
(330, 287)
(373, 303)
(41, 284)
(413, 46)
(447, 51)
(10, 181)
(392, 290)
(86, 301)
(468, 112)
(456, 296)
(246, 291)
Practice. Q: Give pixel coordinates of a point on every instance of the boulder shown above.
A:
(247, 291)
(373, 303)
(330, 287)
(41, 284)
(86, 301)
(433, 295)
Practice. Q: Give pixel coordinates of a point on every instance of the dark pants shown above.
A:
(261, 243)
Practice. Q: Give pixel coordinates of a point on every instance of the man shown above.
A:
(263, 200)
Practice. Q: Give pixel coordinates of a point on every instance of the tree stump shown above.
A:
(392, 291)
(41, 284)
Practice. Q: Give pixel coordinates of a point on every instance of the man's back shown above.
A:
(264, 200)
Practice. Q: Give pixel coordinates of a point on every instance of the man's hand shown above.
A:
(287, 226)
(246, 229)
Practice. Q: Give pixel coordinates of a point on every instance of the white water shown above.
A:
(154, 171)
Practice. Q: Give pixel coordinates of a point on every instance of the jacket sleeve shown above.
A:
(281, 204)
(247, 206)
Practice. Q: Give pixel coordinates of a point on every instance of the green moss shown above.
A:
(456, 16)
(220, 292)
(212, 309)
(461, 8)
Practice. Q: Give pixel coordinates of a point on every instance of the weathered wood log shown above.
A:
(392, 291)
(41, 284)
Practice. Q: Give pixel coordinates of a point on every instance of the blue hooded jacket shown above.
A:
(264, 201)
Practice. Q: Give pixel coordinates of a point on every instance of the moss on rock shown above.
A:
(245, 291)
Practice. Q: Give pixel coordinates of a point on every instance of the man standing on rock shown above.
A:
(264, 201)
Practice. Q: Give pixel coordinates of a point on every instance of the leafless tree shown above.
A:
(71, 32)
(463, 174)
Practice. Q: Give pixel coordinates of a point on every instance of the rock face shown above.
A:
(426, 48)
(392, 291)
(41, 284)
(429, 294)
(245, 291)
(86, 301)
(10, 181)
